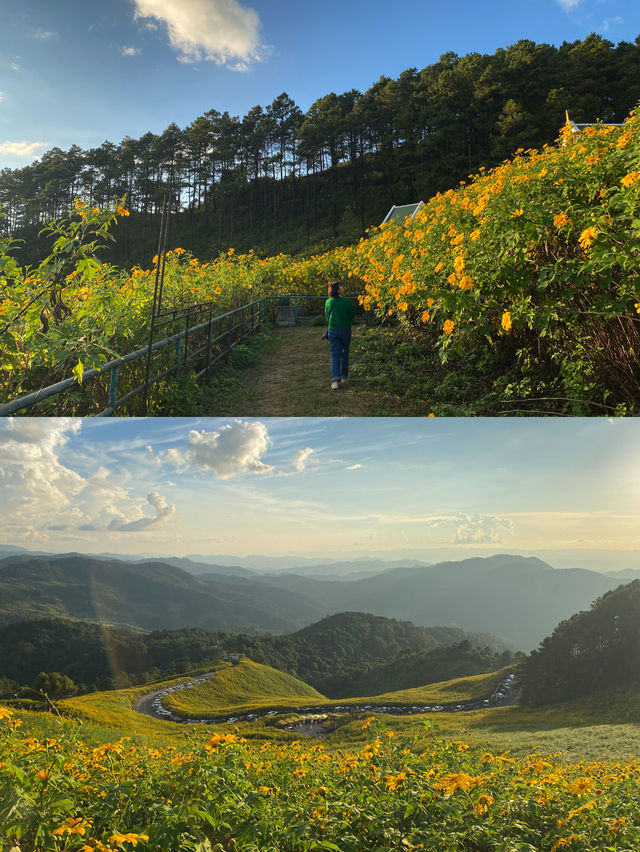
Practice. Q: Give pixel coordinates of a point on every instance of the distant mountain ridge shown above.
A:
(518, 598)
(147, 595)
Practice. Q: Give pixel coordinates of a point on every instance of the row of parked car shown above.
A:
(500, 693)
(163, 713)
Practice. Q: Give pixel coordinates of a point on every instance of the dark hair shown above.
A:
(334, 289)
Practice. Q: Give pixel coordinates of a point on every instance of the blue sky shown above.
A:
(567, 490)
(77, 72)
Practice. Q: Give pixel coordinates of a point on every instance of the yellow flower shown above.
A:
(458, 264)
(517, 213)
(5, 713)
(506, 321)
(560, 220)
(474, 234)
(564, 841)
(587, 237)
(448, 326)
(580, 786)
(458, 781)
(391, 782)
(179, 251)
(72, 825)
(128, 838)
(630, 179)
(425, 316)
(121, 211)
(483, 804)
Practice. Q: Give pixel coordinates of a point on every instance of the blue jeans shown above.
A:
(339, 340)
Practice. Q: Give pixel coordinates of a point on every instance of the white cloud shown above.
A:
(163, 511)
(302, 457)
(482, 529)
(220, 31)
(40, 492)
(2, 96)
(130, 51)
(22, 149)
(354, 467)
(236, 448)
(610, 23)
(44, 35)
(569, 5)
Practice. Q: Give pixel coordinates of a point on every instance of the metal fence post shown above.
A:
(186, 334)
(210, 344)
(176, 369)
(113, 388)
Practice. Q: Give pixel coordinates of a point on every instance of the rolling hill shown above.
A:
(149, 595)
(520, 599)
(238, 689)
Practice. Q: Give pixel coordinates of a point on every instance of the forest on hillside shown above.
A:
(279, 178)
(594, 651)
(103, 657)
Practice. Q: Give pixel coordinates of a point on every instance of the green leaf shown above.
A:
(78, 372)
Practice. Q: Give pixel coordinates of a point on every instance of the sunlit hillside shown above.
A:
(533, 263)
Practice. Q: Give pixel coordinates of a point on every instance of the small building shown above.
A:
(576, 128)
(400, 212)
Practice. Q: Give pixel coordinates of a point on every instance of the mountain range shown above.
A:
(520, 599)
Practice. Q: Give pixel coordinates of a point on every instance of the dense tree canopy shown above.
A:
(593, 651)
(100, 657)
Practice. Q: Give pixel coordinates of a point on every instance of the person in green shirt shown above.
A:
(339, 312)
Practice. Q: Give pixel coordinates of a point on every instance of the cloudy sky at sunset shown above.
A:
(73, 72)
(429, 488)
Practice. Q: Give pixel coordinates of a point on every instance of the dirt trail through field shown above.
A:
(294, 380)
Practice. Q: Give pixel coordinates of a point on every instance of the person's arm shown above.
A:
(327, 308)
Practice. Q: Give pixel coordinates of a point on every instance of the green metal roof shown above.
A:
(399, 213)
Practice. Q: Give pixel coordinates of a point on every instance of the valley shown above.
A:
(336, 735)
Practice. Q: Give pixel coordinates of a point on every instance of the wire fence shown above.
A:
(195, 341)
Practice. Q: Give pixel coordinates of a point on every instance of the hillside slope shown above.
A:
(518, 598)
(595, 651)
(150, 595)
(237, 688)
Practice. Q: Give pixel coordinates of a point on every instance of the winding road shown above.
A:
(150, 704)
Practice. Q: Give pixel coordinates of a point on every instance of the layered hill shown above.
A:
(331, 652)
(96, 656)
(150, 595)
(515, 597)
(520, 599)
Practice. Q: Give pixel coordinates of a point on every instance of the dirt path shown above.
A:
(294, 380)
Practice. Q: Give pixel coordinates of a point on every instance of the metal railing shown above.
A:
(198, 346)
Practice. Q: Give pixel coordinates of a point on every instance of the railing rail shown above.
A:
(237, 324)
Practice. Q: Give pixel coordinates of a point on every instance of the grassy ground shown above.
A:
(287, 374)
(601, 728)
(241, 689)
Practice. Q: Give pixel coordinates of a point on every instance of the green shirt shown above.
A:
(339, 312)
